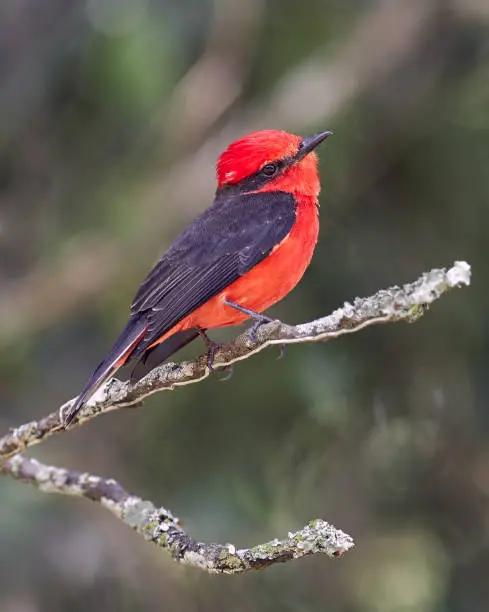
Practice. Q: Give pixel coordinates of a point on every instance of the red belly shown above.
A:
(266, 283)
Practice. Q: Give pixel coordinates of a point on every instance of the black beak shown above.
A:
(310, 143)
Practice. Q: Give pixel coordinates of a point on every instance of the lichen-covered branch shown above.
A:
(407, 303)
(159, 526)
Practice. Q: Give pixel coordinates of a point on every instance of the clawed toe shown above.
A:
(229, 372)
(258, 323)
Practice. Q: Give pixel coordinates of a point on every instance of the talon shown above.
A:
(283, 351)
(229, 372)
(210, 359)
(211, 353)
(211, 349)
(252, 331)
(258, 323)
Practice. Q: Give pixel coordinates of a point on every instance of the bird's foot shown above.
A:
(259, 319)
(257, 324)
(229, 372)
(283, 350)
(212, 347)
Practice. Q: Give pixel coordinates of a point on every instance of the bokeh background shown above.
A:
(112, 113)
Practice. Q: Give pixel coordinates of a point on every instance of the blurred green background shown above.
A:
(112, 113)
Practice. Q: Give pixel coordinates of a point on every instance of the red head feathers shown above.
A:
(248, 155)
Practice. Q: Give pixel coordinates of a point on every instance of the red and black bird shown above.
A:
(243, 254)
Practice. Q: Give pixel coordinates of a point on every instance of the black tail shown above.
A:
(161, 352)
(130, 336)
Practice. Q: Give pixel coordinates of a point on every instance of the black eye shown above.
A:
(269, 169)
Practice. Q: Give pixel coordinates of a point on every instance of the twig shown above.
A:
(407, 303)
(159, 526)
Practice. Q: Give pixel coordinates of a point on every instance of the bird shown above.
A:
(243, 254)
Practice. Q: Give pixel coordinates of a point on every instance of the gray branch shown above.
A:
(160, 527)
(407, 303)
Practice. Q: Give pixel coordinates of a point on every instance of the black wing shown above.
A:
(225, 242)
(160, 353)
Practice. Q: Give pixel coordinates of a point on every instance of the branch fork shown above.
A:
(158, 525)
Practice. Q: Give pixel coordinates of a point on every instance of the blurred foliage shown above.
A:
(107, 109)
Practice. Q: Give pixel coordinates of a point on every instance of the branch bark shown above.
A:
(158, 525)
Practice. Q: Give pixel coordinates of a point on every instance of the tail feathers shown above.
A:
(160, 353)
(129, 338)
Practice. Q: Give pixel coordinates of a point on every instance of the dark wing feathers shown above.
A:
(135, 328)
(160, 353)
(226, 241)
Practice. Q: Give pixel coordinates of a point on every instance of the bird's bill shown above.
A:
(311, 142)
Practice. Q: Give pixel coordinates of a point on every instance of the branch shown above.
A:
(160, 527)
(407, 303)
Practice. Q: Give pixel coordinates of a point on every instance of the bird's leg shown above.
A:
(212, 347)
(259, 319)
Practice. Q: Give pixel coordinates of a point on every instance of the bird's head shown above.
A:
(271, 160)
